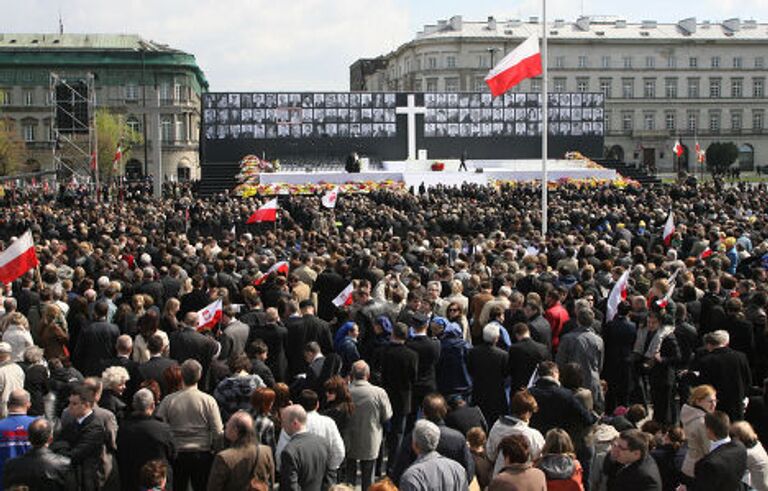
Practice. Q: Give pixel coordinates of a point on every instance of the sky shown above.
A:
(245, 45)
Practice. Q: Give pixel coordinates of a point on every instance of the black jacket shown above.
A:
(187, 343)
(305, 463)
(642, 475)
(558, 408)
(95, 344)
(153, 369)
(428, 350)
(139, 440)
(721, 469)
(84, 443)
(488, 366)
(274, 335)
(399, 369)
(39, 469)
(728, 371)
(524, 356)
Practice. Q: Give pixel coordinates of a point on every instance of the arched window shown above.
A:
(616, 153)
(746, 157)
(184, 170)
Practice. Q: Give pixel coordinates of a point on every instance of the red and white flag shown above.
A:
(617, 295)
(278, 267)
(521, 63)
(329, 198)
(669, 229)
(209, 316)
(345, 297)
(705, 253)
(18, 258)
(118, 157)
(664, 301)
(701, 156)
(678, 148)
(266, 213)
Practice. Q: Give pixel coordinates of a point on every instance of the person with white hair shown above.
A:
(487, 365)
(114, 379)
(17, 334)
(727, 370)
(431, 471)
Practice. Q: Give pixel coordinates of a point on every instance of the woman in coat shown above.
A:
(53, 334)
(559, 463)
(452, 374)
(703, 400)
(518, 472)
(657, 345)
(757, 459)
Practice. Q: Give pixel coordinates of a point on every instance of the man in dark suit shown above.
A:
(727, 370)
(315, 328)
(96, 343)
(296, 334)
(524, 356)
(399, 369)
(629, 466)
(463, 417)
(725, 464)
(305, 461)
(273, 333)
(187, 343)
(83, 439)
(142, 438)
(488, 365)
(558, 407)
(124, 346)
(541, 331)
(428, 350)
(40, 468)
(328, 285)
(154, 368)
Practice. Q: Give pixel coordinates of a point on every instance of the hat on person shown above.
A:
(5, 347)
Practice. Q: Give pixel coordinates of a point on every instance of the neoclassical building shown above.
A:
(691, 80)
(133, 77)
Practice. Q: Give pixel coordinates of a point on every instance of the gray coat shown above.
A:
(585, 348)
(372, 410)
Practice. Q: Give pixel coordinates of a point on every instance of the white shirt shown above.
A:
(80, 420)
(718, 443)
(324, 427)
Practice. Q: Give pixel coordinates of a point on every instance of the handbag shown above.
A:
(256, 484)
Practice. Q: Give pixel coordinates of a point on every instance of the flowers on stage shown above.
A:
(249, 190)
(590, 182)
(438, 166)
(251, 166)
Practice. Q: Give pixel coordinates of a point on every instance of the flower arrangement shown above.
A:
(249, 190)
(251, 166)
(438, 166)
(620, 182)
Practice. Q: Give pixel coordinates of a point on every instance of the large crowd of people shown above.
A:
(472, 353)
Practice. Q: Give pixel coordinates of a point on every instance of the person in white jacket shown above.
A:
(757, 459)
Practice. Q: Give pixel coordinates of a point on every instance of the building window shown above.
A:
(431, 85)
(693, 62)
(670, 122)
(650, 62)
(29, 132)
(177, 91)
(737, 87)
(737, 62)
(627, 88)
(417, 85)
(133, 124)
(714, 121)
(736, 121)
(28, 98)
(605, 62)
(165, 92)
(582, 61)
(714, 88)
(670, 88)
(479, 84)
(607, 123)
(131, 91)
(452, 84)
(431, 62)
(481, 61)
(450, 62)
(758, 85)
(166, 129)
(627, 61)
(759, 62)
(535, 85)
(559, 85)
(758, 116)
(649, 121)
(605, 86)
(626, 121)
(180, 130)
(5, 97)
(649, 88)
(693, 121)
(715, 62)
(693, 88)
(671, 62)
(582, 84)
(559, 61)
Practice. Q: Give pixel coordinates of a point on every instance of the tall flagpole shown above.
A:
(544, 118)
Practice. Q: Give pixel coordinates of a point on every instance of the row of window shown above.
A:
(172, 129)
(582, 61)
(650, 120)
(670, 87)
(167, 92)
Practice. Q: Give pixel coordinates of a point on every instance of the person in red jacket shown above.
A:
(556, 315)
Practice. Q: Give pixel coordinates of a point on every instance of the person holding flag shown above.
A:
(266, 213)
(329, 199)
(669, 229)
(18, 258)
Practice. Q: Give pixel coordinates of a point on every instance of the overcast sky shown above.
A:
(309, 44)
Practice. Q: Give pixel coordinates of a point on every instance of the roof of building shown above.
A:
(598, 27)
(92, 50)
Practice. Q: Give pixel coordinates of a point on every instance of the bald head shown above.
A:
(294, 419)
(360, 370)
(19, 401)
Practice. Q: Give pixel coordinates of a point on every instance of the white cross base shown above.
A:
(411, 110)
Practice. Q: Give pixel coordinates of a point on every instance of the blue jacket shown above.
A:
(13, 438)
(452, 374)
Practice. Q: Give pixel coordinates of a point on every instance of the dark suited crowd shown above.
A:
(417, 341)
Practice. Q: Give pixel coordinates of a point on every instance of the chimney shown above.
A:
(688, 25)
(491, 23)
(456, 22)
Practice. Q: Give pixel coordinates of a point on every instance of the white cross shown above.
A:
(411, 110)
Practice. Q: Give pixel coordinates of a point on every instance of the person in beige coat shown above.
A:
(757, 459)
(703, 400)
(365, 431)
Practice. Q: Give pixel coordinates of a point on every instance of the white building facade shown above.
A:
(696, 81)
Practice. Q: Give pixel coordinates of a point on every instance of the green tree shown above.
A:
(721, 155)
(112, 131)
(12, 148)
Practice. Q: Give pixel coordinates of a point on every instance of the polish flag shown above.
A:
(329, 198)
(663, 302)
(209, 316)
(345, 297)
(669, 229)
(617, 295)
(521, 63)
(700, 154)
(267, 213)
(18, 258)
(118, 157)
(706, 253)
(279, 267)
(678, 148)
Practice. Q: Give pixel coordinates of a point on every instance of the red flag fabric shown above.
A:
(669, 229)
(678, 148)
(278, 267)
(618, 293)
(329, 198)
(521, 63)
(705, 253)
(208, 317)
(345, 297)
(18, 258)
(266, 213)
(118, 156)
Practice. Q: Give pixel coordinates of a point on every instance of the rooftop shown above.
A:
(81, 42)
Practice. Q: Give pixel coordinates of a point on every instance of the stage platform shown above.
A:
(414, 173)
